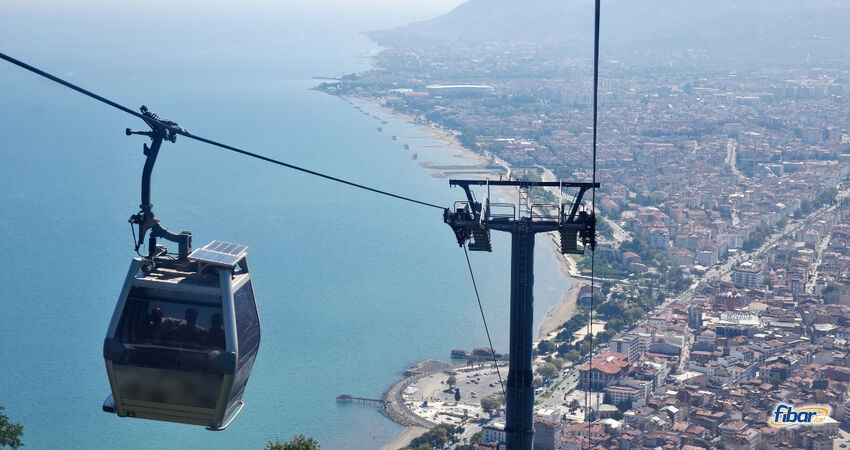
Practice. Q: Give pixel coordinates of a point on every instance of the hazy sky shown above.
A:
(57, 25)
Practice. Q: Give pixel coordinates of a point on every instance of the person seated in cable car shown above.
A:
(159, 327)
(214, 335)
(189, 332)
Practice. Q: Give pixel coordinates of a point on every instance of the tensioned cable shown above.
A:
(183, 132)
(593, 201)
(481, 308)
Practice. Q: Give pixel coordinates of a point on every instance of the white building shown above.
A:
(495, 432)
(747, 274)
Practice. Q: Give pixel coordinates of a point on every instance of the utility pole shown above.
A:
(472, 221)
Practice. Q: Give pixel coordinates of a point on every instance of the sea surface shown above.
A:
(352, 287)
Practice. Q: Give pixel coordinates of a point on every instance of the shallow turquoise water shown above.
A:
(352, 287)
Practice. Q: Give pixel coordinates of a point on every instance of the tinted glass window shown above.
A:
(247, 322)
(176, 332)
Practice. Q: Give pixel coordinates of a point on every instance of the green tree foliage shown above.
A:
(476, 438)
(545, 347)
(10, 433)
(757, 237)
(490, 404)
(451, 380)
(572, 355)
(298, 442)
(827, 197)
(435, 438)
(558, 362)
(547, 370)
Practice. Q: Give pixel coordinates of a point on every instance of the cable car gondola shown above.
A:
(185, 332)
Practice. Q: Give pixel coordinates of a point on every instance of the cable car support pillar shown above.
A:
(471, 222)
(519, 426)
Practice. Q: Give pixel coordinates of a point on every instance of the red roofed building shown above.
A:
(603, 370)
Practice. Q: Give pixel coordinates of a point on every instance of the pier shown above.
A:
(345, 398)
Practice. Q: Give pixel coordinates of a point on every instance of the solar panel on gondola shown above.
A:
(218, 252)
(185, 332)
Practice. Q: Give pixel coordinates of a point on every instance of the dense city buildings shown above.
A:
(726, 258)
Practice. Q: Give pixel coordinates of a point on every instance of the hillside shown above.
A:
(785, 32)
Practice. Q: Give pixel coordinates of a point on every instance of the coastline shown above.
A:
(564, 310)
(477, 166)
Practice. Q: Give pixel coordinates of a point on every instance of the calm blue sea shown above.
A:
(352, 287)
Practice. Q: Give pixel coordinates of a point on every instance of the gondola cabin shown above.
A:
(183, 338)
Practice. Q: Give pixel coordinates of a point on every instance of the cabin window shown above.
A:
(247, 322)
(171, 332)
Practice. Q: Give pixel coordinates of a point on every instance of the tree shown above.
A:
(547, 370)
(572, 355)
(451, 381)
(545, 347)
(436, 438)
(298, 442)
(10, 433)
(476, 438)
(558, 362)
(490, 404)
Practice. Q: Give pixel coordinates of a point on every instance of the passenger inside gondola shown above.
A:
(176, 326)
(214, 336)
(159, 327)
(189, 332)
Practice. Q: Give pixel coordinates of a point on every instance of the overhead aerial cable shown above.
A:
(486, 329)
(180, 131)
(145, 359)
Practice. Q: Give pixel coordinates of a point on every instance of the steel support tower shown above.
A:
(472, 221)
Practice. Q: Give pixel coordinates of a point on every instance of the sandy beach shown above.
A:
(404, 438)
(561, 312)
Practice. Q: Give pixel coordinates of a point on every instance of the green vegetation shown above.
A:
(490, 404)
(827, 197)
(650, 255)
(552, 390)
(604, 266)
(298, 442)
(547, 370)
(451, 380)
(10, 433)
(757, 237)
(545, 347)
(436, 438)
(557, 362)
(572, 356)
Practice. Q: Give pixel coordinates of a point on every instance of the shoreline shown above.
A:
(479, 166)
